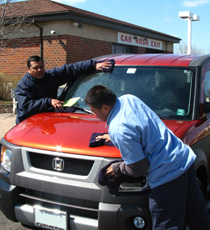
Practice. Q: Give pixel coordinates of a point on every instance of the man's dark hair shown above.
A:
(100, 95)
(33, 58)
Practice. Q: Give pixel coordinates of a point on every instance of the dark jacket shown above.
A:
(34, 95)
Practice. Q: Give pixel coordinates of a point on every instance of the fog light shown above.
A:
(139, 222)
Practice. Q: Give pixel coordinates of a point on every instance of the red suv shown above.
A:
(48, 172)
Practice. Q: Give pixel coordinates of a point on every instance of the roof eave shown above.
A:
(106, 24)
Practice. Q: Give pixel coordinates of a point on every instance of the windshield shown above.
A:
(167, 91)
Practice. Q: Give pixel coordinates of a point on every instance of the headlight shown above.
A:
(6, 156)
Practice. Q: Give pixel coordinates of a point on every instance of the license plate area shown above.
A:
(50, 218)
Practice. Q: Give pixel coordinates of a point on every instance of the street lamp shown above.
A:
(190, 17)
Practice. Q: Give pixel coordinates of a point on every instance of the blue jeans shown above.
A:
(179, 202)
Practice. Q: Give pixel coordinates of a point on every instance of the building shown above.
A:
(64, 34)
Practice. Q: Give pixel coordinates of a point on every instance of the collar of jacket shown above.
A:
(33, 78)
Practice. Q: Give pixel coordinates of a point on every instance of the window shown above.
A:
(207, 86)
(121, 49)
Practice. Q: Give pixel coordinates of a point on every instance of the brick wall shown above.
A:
(57, 50)
(13, 58)
(84, 49)
(54, 51)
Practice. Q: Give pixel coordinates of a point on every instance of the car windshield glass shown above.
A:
(167, 91)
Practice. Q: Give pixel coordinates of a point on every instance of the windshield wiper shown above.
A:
(72, 109)
(83, 110)
(163, 117)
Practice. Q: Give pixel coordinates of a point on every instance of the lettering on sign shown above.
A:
(141, 41)
(155, 44)
(126, 38)
(129, 39)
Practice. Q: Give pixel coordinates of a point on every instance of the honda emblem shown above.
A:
(58, 164)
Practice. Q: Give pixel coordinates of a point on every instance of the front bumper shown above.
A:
(8, 199)
(110, 216)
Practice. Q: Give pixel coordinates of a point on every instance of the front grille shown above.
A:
(79, 167)
(70, 205)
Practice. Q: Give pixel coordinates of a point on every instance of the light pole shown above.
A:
(190, 17)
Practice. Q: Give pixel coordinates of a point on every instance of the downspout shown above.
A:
(41, 39)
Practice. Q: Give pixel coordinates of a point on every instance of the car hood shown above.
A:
(69, 133)
(61, 132)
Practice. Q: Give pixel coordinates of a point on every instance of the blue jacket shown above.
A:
(140, 134)
(34, 95)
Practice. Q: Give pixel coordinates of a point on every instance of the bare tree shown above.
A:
(182, 49)
(15, 21)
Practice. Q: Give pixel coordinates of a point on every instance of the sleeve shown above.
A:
(68, 73)
(27, 105)
(135, 170)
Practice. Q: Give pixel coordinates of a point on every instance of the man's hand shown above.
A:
(110, 173)
(101, 65)
(56, 103)
(104, 136)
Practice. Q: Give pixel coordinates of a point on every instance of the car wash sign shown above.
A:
(129, 39)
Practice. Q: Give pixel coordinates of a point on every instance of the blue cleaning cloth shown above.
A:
(94, 143)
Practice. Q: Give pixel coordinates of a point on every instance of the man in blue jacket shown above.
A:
(37, 90)
(149, 148)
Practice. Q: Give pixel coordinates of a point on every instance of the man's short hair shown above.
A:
(100, 95)
(34, 58)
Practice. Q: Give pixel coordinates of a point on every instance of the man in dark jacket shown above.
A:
(37, 90)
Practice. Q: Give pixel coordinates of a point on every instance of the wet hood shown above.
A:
(69, 133)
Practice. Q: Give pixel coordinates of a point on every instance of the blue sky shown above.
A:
(156, 15)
